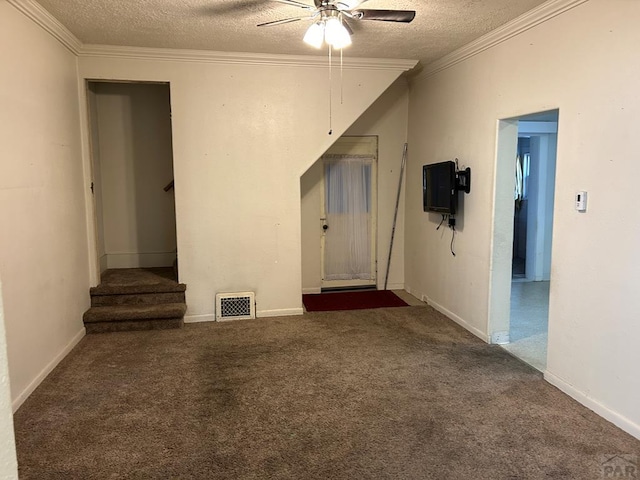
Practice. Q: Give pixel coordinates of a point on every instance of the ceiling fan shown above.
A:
(330, 19)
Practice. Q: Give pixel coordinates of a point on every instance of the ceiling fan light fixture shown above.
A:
(335, 33)
(315, 35)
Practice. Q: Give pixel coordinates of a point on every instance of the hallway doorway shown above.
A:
(532, 237)
(132, 174)
(520, 288)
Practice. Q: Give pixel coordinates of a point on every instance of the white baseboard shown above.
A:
(19, 400)
(140, 260)
(209, 317)
(463, 323)
(284, 312)
(394, 286)
(306, 291)
(614, 417)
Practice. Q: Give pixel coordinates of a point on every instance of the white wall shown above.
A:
(243, 134)
(585, 63)
(134, 164)
(540, 207)
(43, 245)
(8, 461)
(387, 118)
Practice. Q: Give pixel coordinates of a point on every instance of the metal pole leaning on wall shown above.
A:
(395, 214)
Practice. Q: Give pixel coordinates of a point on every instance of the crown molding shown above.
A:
(49, 23)
(41, 17)
(239, 58)
(521, 24)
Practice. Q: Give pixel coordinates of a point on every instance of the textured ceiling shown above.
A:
(440, 26)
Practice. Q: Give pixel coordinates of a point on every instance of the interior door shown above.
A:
(348, 220)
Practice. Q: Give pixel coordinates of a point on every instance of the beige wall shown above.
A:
(387, 118)
(43, 245)
(243, 134)
(8, 461)
(135, 216)
(584, 62)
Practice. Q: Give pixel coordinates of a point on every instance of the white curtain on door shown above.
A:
(347, 253)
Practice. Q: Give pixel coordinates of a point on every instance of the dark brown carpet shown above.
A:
(398, 393)
(137, 280)
(138, 276)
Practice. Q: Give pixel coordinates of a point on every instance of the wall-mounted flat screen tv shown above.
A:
(439, 192)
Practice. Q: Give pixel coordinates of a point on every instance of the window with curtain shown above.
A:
(348, 215)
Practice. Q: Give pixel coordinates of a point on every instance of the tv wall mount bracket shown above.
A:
(463, 179)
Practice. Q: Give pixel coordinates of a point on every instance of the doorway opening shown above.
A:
(526, 166)
(348, 214)
(339, 217)
(132, 174)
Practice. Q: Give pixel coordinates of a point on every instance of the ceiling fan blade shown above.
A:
(280, 22)
(318, 3)
(404, 16)
(296, 4)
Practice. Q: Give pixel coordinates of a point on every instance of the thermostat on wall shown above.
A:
(581, 201)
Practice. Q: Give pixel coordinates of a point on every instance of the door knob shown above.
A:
(325, 227)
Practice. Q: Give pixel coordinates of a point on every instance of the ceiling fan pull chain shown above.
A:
(341, 79)
(330, 106)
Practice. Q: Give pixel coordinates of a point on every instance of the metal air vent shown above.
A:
(235, 306)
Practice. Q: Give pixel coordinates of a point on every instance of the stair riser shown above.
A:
(134, 325)
(137, 299)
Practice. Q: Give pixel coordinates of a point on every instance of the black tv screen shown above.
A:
(439, 192)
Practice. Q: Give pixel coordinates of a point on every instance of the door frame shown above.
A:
(88, 155)
(356, 145)
(502, 228)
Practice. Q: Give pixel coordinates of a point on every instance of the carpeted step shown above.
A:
(127, 326)
(137, 299)
(134, 317)
(116, 313)
(135, 289)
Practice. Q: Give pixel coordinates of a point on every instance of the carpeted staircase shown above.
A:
(136, 299)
